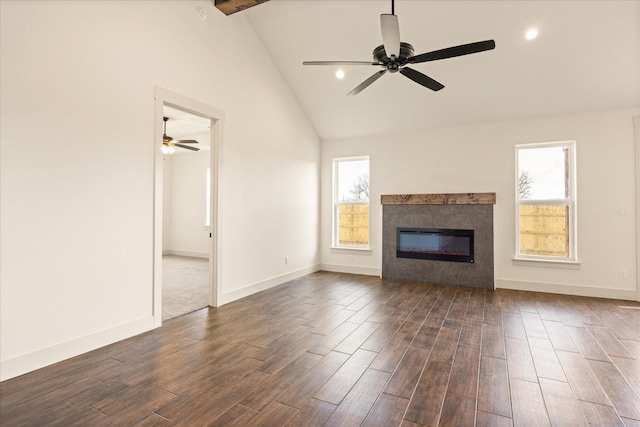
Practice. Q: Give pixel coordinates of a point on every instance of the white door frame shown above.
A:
(165, 97)
(636, 124)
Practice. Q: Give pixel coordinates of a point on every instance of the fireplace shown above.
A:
(440, 244)
(417, 235)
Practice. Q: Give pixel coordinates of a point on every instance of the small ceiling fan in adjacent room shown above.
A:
(168, 143)
(394, 56)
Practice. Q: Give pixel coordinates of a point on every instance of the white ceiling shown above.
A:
(587, 57)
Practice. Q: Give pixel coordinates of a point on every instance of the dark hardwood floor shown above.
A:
(335, 349)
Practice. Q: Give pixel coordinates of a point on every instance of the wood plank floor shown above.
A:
(344, 350)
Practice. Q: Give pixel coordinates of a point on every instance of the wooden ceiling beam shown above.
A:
(232, 6)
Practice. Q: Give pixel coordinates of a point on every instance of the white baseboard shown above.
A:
(39, 359)
(186, 253)
(266, 284)
(557, 288)
(352, 269)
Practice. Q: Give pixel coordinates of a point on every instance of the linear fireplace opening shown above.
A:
(438, 244)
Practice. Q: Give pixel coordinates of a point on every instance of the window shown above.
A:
(351, 202)
(545, 201)
(207, 209)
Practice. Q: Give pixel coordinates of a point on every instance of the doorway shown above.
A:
(186, 204)
(186, 218)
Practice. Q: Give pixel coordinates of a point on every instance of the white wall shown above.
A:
(77, 152)
(481, 158)
(188, 232)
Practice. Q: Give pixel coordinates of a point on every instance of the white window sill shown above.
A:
(347, 249)
(550, 263)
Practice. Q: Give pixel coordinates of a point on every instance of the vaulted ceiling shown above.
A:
(586, 57)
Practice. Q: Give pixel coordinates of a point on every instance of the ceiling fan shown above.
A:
(169, 142)
(394, 56)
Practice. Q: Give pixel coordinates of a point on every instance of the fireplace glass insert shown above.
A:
(435, 244)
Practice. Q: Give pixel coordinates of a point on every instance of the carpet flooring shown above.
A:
(185, 285)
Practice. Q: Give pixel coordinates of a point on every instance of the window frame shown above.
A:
(570, 201)
(335, 226)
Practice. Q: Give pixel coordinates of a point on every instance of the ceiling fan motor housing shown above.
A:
(393, 65)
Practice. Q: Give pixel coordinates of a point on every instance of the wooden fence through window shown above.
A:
(544, 230)
(353, 225)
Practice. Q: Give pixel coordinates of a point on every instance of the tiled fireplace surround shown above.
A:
(470, 211)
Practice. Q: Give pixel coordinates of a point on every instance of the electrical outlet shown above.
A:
(623, 211)
(286, 260)
(622, 273)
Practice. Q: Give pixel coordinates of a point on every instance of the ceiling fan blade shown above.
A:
(390, 34)
(362, 86)
(186, 141)
(450, 52)
(187, 147)
(422, 79)
(340, 63)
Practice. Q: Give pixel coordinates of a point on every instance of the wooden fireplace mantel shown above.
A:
(439, 199)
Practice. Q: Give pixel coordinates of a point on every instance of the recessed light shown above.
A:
(340, 74)
(202, 13)
(531, 34)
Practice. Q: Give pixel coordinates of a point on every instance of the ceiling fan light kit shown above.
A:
(168, 144)
(394, 56)
(168, 149)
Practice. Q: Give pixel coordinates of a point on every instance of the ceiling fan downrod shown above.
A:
(164, 132)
